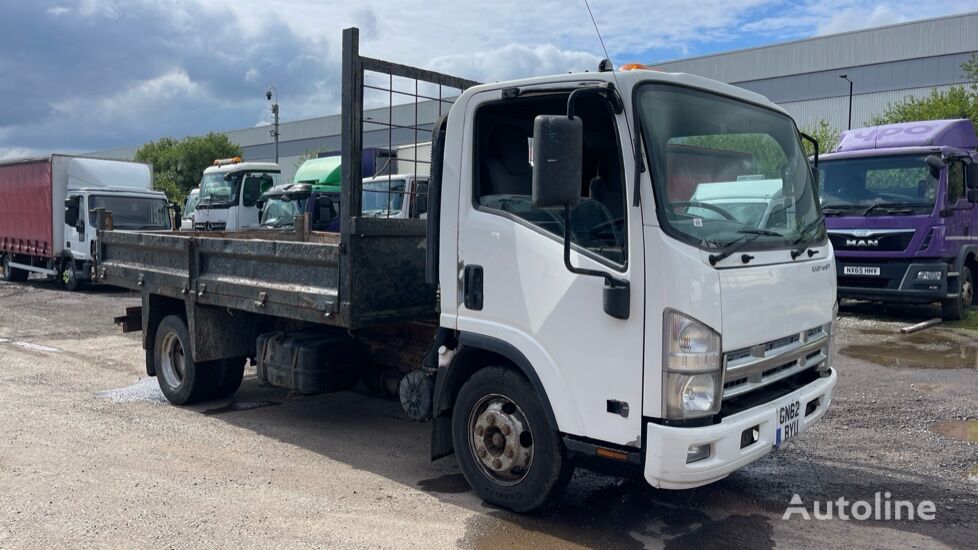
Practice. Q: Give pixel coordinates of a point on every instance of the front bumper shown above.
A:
(897, 281)
(666, 446)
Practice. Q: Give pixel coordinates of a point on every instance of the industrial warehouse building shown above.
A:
(884, 64)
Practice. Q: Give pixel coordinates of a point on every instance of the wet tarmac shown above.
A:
(964, 430)
(87, 466)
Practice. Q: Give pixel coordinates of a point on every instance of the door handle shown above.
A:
(472, 287)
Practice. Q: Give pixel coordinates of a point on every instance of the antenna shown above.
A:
(598, 32)
(639, 165)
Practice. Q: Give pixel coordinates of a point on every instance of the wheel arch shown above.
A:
(474, 353)
(155, 309)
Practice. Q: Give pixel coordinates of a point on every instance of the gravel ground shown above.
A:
(90, 455)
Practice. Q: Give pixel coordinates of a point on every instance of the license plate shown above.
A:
(789, 421)
(860, 270)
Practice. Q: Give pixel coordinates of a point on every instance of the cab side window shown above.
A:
(504, 175)
(955, 182)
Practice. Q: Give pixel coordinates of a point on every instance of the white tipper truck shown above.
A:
(571, 309)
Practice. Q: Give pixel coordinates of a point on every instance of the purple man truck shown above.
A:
(899, 202)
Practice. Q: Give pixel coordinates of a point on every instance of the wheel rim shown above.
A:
(173, 362)
(67, 275)
(500, 440)
(967, 292)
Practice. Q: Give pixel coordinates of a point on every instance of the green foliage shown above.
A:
(955, 102)
(823, 132)
(767, 156)
(178, 164)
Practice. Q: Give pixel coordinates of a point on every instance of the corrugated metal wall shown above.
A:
(953, 34)
(836, 109)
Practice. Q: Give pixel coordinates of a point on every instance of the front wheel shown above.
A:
(505, 446)
(956, 309)
(69, 277)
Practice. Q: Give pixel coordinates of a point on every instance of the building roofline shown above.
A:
(814, 38)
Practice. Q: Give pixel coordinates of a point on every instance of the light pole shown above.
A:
(274, 132)
(846, 78)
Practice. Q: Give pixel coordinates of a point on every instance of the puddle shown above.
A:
(965, 430)
(932, 349)
(146, 390)
(237, 406)
(972, 474)
(446, 484)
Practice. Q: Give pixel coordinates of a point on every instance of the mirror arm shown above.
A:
(608, 279)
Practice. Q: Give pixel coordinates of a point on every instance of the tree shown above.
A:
(955, 102)
(178, 164)
(824, 133)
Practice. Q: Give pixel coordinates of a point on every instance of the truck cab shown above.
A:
(230, 191)
(189, 207)
(399, 196)
(125, 189)
(900, 206)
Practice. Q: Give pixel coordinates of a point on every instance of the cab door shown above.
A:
(513, 286)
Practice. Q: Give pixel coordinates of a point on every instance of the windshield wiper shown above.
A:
(803, 237)
(751, 236)
(832, 212)
(872, 207)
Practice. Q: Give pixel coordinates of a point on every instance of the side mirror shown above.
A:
(72, 205)
(558, 146)
(936, 164)
(971, 175)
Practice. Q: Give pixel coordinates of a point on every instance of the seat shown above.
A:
(508, 163)
(611, 196)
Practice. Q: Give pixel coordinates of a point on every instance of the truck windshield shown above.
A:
(132, 212)
(190, 205)
(902, 183)
(280, 213)
(723, 168)
(383, 197)
(215, 190)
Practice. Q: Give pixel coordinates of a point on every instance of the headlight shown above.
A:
(929, 275)
(691, 367)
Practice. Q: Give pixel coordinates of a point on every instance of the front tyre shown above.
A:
(505, 446)
(182, 380)
(956, 309)
(69, 277)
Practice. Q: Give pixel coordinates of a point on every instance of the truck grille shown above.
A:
(752, 368)
(876, 242)
(214, 226)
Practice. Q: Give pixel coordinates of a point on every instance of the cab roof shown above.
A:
(958, 133)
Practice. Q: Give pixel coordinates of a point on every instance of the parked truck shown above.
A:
(545, 315)
(229, 194)
(900, 201)
(47, 212)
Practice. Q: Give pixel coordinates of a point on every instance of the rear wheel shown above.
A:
(12, 274)
(182, 380)
(956, 309)
(229, 372)
(505, 446)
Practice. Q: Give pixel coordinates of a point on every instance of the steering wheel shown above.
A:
(726, 215)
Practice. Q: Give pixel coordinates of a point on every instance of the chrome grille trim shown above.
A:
(748, 369)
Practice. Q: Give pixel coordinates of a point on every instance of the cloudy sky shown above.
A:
(85, 75)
